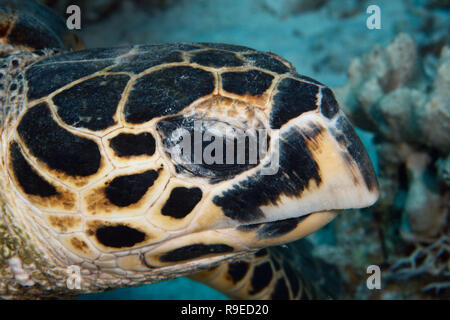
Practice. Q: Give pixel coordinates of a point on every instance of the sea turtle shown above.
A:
(93, 178)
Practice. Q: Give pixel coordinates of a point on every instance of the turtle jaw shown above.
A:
(205, 246)
(285, 230)
(322, 166)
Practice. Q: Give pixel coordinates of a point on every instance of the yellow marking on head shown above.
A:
(132, 263)
(96, 203)
(154, 214)
(64, 223)
(152, 235)
(63, 201)
(79, 245)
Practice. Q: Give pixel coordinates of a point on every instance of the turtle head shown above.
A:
(96, 173)
(30, 25)
(314, 166)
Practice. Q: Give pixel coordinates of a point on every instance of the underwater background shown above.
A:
(392, 82)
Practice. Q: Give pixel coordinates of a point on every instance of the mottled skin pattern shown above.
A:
(89, 174)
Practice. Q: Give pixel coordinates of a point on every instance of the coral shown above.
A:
(428, 257)
(370, 92)
(391, 93)
(387, 94)
(424, 210)
(429, 260)
(436, 133)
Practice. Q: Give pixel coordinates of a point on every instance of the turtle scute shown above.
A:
(293, 98)
(56, 147)
(167, 91)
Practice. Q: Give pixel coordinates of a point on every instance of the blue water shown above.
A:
(177, 289)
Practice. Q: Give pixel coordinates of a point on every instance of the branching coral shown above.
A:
(429, 257)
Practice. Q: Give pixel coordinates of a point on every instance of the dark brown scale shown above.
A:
(278, 228)
(30, 181)
(194, 251)
(329, 106)
(57, 147)
(181, 202)
(262, 275)
(140, 62)
(57, 75)
(129, 145)
(119, 236)
(166, 91)
(261, 253)
(126, 190)
(216, 59)
(292, 99)
(91, 104)
(249, 227)
(266, 61)
(237, 270)
(281, 291)
(252, 82)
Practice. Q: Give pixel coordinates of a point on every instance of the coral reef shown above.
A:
(390, 93)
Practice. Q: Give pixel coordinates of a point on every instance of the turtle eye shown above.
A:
(212, 149)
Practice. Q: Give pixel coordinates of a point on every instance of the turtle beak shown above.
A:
(283, 231)
(323, 166)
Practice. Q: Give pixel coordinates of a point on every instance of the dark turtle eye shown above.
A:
(211, 148)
